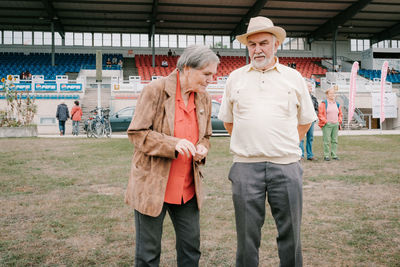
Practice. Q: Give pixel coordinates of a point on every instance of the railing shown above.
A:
(358, 116)
(105, 67)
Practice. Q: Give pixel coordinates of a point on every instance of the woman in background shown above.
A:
(330, 118)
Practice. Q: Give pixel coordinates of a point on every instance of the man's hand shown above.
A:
(201, 153)
(228, 126)
(185, 147)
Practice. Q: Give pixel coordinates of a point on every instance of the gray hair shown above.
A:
(196, 57)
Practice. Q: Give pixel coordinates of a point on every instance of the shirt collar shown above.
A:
(276, 66)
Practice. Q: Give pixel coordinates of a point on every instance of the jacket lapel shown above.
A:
(200, 103)
(169, 104)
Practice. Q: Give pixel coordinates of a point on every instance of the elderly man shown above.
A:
(267, 110)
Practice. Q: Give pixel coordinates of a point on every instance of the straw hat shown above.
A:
(262, 24)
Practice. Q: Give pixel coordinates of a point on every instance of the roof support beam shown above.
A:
(53, 17)
(386, 34)
(153, 18)
(331, 25)
(253, 11)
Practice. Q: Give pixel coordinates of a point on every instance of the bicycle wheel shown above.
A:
(89, 129)
(107, 129)
(98, 129)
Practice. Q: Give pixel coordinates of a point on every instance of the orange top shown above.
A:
(76, 113)
(180, 186)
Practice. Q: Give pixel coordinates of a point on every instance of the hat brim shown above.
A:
(277, 31)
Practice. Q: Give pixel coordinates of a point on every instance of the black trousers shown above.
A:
(281, 184)
(185, 219)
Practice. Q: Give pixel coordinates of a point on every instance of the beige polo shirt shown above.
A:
(265, 108)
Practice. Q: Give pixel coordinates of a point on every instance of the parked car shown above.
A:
(217, 124)
(120, 120)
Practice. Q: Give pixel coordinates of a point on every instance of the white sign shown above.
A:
(390, 105)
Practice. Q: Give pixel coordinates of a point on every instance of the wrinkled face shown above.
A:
(198, 79)
(262, 48)
(331, 94)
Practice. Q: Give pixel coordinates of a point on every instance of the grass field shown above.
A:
(61, 204)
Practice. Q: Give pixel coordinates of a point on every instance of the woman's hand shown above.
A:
(201, 153)
(185, 147)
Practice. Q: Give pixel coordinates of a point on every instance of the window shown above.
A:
(1, 39)
(69, 38)
(47, 121)
(116, 39)
(173, 40)
(286, 44)
(191, 40)
(57, 38)
(226, 42)
(359, 44)
(87, 39)
(106, 39)
(301, 42)
(17, 37)
(293, 44)
(135, 40)
(156, 40)
(126, 40)
(8, 35)
(27, 38)
(98, 39)
(199, 39)
(37, 38)
(236, 44)
(78, 38)
(163, 40)
(182, 41)
(209, 41)
(217, 42)
(144, 40)
(47, 38)
(395, 44)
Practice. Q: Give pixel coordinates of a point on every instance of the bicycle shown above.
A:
(98, 124)
(106, 122)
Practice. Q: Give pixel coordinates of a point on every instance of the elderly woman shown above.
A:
(330, 118)
(170, 129)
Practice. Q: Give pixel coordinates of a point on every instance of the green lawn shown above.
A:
(62, 204)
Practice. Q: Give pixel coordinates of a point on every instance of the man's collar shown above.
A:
(276, 66)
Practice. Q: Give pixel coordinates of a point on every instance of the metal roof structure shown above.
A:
(314, 19)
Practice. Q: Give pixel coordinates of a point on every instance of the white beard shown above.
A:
(261, 64)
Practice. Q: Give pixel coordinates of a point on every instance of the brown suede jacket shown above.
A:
(151, 131)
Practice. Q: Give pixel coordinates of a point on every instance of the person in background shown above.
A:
(120, 63)
(330, 118)
(266, 108)
(108, 63)
(114, 60)
(310, 133)
(76, 116)
(169, 53)
(164, 63)
(62, 116)
(170, 131)
(218, 55)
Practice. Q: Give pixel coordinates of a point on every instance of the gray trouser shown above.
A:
(282, 184)
(185, 219)
(75, 127)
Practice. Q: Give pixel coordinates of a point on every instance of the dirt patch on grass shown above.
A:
(105, 189)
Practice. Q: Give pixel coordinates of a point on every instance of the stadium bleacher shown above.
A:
(40, 63)
(372, 74)
(307, 66)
